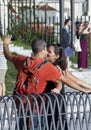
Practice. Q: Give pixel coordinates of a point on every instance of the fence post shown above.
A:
(73, 21)
(61, 15)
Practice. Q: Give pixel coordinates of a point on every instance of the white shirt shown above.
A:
(3, 61)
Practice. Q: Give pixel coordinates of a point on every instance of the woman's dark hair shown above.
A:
(61, 61)
(77, 23)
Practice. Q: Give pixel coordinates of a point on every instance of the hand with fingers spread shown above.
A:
(7, 40)
(7, 52)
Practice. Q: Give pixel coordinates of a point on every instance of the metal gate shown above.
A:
(28, 18)
(68, 111)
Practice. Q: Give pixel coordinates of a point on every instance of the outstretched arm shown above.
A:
(76, 80)
(85, 31)
(7, 53)
(72, 84)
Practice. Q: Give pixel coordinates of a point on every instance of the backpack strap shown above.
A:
(42, 63)
(27, 61)
(39, 65)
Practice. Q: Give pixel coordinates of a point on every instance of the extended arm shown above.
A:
(85, 31)
(7, 53)
(72, 84)
(76, 80)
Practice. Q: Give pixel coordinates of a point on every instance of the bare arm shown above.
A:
(85, 31)
(7, 53)
(76, 80)
(72, 84)
(58, 87)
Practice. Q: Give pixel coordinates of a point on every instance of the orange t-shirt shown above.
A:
(47, 73)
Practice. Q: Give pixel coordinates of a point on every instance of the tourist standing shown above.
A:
(3, 68)
(66, 38)
(83, 55)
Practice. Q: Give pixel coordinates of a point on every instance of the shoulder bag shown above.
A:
(77, 45)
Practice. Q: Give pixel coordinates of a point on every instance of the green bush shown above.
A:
(26, 34)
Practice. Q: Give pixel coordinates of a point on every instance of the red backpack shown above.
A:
(27, 79)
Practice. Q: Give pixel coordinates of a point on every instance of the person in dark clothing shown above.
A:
(66, 38)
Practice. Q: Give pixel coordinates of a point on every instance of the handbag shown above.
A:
(68, 52)
(77, 45)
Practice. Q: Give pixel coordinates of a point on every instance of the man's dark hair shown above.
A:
(37, 45)
(67, 20)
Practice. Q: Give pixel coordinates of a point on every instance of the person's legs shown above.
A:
(2, 82)
(3, 89)
(0, 89)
